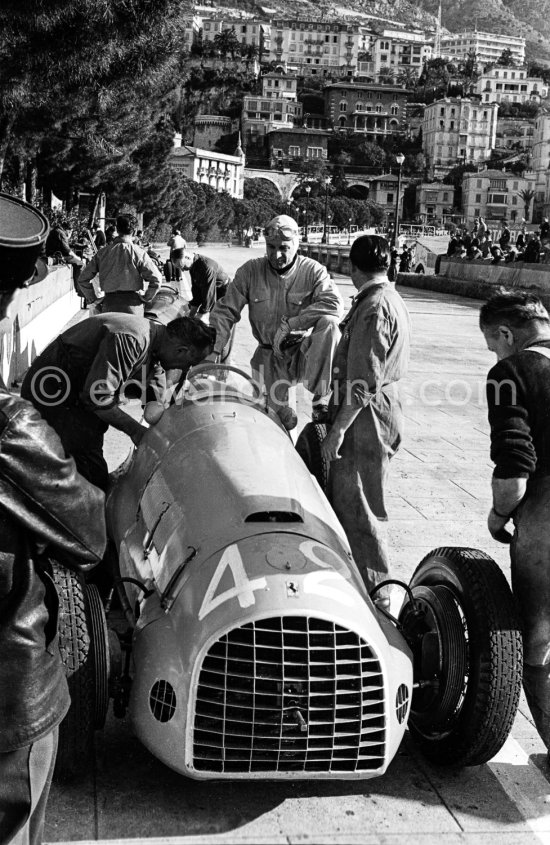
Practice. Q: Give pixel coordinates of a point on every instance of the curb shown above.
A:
(459, 287)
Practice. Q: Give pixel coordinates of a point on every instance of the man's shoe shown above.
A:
(288, 417)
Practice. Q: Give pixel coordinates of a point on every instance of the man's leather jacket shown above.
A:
(44, 502)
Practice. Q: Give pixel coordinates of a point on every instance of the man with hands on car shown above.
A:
(294, 309)
(79, 381)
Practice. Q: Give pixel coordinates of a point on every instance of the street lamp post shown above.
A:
(400, 158)
(324, 239)
(308, 191)
(349, 231)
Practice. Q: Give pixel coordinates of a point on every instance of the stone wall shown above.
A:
(43, 310)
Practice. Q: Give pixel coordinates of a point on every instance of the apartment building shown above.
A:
(192, 30)
(286, 145)
(221, 172)
(434, 202)
(515, 133)
(487, 46)
(383, 191)
(506, 84)
(458, 130)
(540, 162)
(495, 195)
(367, 108)
(249, 31)
(396, 51)
(276, 108)
(318, 46)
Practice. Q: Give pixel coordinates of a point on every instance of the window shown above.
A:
(445, 196)
(314, 152)
(514, 200)
(294, 152)
(265, 105)
(378, 108)
(389, 198)
(359, 105)
(343, 105)
(395, 109)
(379, 96)
(478, 197)
(477, 212)
(277, 152)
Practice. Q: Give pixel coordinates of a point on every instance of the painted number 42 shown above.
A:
(243, 589)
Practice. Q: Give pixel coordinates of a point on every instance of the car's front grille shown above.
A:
(289, 694)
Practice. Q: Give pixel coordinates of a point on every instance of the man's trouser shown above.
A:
(123, 302)
(309, 362)
(357, 482)
(25, 779)
(530, 556)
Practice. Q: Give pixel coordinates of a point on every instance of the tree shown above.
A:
(507, 58)
(226, 42)
(85, 88)
(527, 195)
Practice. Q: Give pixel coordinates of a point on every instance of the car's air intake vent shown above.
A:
(162, 701)
(290, 694)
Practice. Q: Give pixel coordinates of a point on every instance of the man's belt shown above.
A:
(291, 340)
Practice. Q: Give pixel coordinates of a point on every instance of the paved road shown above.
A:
(439, 488)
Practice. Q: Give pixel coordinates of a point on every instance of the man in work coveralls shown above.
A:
(294, 309)
(516, 327)
(366, 421)
(44, 505)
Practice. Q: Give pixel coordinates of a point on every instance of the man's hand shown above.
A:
(331, 445)
(496, 525)
(282, 332)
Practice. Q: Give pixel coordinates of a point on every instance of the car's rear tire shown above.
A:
(308, 446)
(84, 651)
(469, 639)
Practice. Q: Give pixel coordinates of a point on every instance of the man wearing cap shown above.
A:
(127, 275)
(209, 280)
(294, 309)
(44, 503)
(79, 382)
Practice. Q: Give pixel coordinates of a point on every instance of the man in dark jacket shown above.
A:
(44, 502)
(516, 327)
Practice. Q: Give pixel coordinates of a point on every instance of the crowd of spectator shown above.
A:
(479, 244)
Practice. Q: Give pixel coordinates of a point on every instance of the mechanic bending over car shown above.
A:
(209, 281)
(365, 416)
(79, 381)
(287, 294)
(516, 326)
(44, 502)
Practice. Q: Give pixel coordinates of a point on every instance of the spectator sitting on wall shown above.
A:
(486, 247)
(497, 254)
(57, 245)
(474, 252)
(531, 253)
(505, 237)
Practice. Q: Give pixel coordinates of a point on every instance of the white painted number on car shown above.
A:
(243, 589)
(340, 591)
(335, 564)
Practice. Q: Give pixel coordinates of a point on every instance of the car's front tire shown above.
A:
(467, 651)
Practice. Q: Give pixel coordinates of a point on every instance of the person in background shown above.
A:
(392, 269)
(45, 506)
(57, 244)
(294, 309)
(516, 327)
(99, 236)
(544, 229)
(110, 234)
(209, 281)
(505, 237)
(176, 241)
(531, 253)
(365, 415)
(127, 275)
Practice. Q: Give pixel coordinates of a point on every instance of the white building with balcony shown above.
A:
(434, 202)
(495, 195)
(510, 84)
(457, 130)
(221, 172)
(317, 47)
(397, 51)
(487, 46)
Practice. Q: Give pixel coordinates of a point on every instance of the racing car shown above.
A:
(251, 648)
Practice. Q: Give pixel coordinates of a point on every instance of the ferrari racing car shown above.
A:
(250, 647)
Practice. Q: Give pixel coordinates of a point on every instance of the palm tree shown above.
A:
(526, 195)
